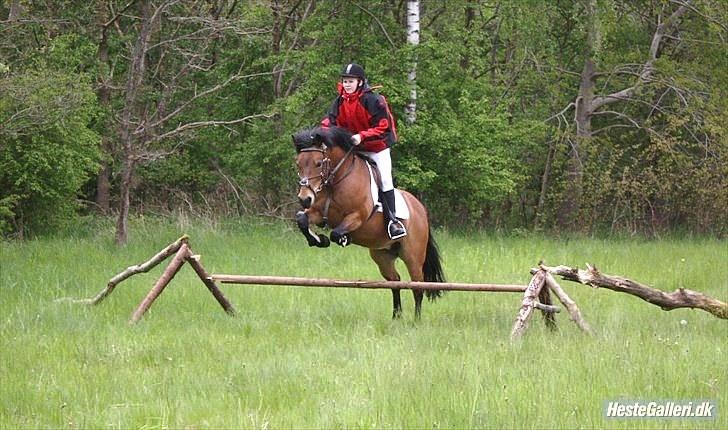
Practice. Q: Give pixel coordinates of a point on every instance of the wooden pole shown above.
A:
(530, 298)
(194, 261)
(339, 283)
(179, 259)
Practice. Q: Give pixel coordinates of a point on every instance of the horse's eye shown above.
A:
(318, 164)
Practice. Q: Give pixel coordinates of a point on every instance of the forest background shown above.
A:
(589, 116)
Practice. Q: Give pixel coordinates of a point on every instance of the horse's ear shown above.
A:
(323, 136)
(317, 135)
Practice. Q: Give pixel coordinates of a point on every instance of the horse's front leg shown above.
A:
(341, 233)
(303, 220)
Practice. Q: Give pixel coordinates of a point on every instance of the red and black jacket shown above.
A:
(366, 113)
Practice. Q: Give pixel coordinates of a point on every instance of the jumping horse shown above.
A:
(334, 190)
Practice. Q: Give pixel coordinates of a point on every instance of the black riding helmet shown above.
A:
(353, 70)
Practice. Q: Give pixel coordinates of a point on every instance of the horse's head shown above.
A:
(316, 151)
(310, 160)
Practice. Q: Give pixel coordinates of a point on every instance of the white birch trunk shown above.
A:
(413, 39)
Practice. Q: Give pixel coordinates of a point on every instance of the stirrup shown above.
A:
(396, 230)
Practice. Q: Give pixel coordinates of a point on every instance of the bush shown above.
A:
(47, 150)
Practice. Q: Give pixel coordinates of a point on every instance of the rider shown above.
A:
(367, 114)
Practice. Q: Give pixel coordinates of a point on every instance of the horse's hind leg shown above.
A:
(385, 261)
(418, 302)
(396, 304)
(414, 267)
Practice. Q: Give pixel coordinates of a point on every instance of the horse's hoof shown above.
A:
(341, 239)
(319, 241)
(324, 242)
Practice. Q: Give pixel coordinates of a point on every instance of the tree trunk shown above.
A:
(277, 37)
(103, 182)
(15, 10)
(569, 211)
(469, 17)
(538, 223)
(680, 298)
(413, 38)
(133, 86)
(122, 222)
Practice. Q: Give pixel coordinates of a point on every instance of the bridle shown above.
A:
(326, 174)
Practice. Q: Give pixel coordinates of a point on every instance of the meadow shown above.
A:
(334, 358)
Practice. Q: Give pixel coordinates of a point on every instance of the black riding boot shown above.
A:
(395, 228)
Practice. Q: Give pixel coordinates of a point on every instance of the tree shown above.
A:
(588, 104)
(157, 97)
(413, 39)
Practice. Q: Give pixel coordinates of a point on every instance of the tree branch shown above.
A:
(198, 124)
(379, 23)
(680, 298)
(195, 97)
(648, 68)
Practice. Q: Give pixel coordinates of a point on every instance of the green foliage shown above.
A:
(469, 157)
(48, 151)
(489, 76)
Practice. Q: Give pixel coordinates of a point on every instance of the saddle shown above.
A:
(401, 210)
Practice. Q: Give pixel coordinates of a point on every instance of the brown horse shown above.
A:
(334, 190)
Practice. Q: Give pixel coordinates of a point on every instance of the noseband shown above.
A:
(327, 174)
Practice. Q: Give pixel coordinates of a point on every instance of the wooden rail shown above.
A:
(340, 283)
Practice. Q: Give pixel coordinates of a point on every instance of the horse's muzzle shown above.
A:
(305, 202)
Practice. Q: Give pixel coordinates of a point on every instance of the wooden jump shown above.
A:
(536, 295)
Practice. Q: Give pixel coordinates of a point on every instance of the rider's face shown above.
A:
(350, 84)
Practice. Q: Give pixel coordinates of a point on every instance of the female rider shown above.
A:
(366, 114)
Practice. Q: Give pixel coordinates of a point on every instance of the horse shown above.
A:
(334, 190)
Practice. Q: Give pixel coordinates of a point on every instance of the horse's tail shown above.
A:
(432, 268)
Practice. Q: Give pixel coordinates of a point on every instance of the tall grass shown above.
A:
(318, 358)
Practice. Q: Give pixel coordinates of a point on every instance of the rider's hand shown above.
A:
(356, 139)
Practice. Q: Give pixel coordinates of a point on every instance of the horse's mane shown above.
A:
(331, 136)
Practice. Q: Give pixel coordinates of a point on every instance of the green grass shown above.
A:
(318, 358)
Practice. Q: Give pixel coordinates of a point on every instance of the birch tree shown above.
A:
(413, 39)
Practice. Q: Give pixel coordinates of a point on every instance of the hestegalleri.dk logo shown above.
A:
(682, 409)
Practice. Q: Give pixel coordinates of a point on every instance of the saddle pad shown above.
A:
(401, 210)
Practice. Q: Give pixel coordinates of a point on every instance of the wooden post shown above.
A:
(570, 305)
(194, 261)
(179, 259)
(530, 298)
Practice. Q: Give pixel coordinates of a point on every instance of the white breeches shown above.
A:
(384, 163)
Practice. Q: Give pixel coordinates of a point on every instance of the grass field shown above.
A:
(318, 358)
